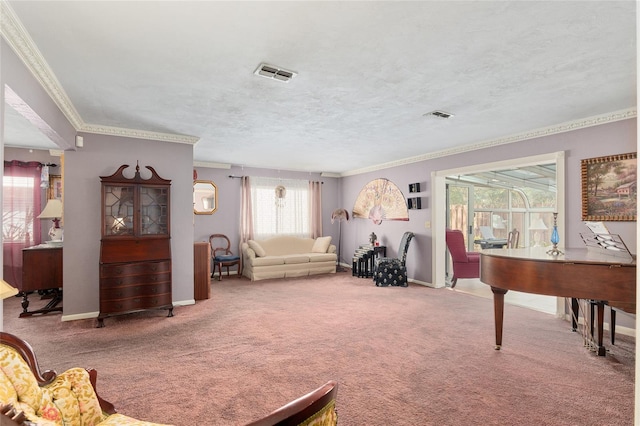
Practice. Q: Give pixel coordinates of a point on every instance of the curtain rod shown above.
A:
(240, 177)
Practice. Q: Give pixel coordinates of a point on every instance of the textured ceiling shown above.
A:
(367, 73)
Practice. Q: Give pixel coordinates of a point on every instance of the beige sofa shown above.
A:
(283, 257)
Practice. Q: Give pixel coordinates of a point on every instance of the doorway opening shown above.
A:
(493, 199)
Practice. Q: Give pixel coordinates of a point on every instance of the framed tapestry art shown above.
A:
(381, 200)
(609, 191)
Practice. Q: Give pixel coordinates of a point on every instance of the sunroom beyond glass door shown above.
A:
(458, 198)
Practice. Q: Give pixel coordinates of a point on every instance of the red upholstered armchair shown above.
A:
(466, 264)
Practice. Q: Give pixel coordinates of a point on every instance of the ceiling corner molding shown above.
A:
(211, 165)
(518, 137)
(331, 175)
(20, 41)
(139, 134)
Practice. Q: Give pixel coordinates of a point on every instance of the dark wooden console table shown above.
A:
(41, 271)
(364, 259)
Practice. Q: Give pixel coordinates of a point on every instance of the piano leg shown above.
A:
(498, 312)
(575, 308)
(601, 349)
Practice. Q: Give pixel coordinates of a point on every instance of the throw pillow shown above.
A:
(321, 245)
(257, 248)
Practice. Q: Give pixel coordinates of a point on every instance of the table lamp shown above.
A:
(53, 211)
(6, 290)
(537, 226)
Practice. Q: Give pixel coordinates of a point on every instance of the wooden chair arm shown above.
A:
(26, 351)
(10, 417)
(106, 406)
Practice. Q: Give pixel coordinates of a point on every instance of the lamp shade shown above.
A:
(339, 215)
(538, 225)
(6, 290)
(52, 210)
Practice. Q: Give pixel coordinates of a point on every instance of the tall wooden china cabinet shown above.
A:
(135, 250)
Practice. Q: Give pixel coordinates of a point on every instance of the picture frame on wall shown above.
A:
(609, 190)
(55, 187)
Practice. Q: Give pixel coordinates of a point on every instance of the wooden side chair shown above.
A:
(316, 407)
(222, 256)
(513, 239)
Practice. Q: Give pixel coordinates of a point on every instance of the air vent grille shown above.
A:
(439, 114)
(275, 73)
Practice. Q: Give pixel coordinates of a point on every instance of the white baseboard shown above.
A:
(89, 315)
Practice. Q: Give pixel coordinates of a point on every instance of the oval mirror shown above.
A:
(205, 197)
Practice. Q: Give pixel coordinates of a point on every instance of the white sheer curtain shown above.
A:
(284, 214)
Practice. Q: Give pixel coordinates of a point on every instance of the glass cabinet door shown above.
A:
(154, 210)
(118, 210)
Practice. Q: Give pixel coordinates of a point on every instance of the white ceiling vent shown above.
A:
(276, 73)
(440, 114)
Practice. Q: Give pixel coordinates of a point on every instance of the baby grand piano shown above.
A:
(577, 273)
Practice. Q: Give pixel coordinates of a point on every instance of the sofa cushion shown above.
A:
(36, 403)
(21, 382)
(296, 258)
(321, 245)
(75, 398)
(268, 261)
(322, 257)
(286, 245)
(257, 248)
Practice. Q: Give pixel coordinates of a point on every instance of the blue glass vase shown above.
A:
(555, 237)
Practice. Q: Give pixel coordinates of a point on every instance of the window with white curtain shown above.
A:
(280, 212)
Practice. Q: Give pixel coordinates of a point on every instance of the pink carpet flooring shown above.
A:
(402, 356)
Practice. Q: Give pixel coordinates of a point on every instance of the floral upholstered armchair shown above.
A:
(393, 271)
(50, 399)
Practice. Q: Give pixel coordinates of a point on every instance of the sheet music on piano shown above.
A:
(601, 241)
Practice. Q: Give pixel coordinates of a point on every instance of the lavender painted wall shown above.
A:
(607, 139)
(14, 74)
(225, 220)
(101, 156)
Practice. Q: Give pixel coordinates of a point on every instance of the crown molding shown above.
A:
(211, 165)
(138, 134)
(20, 41)
(518, 137)
(329, 174)
(23, 45)
(18, 38)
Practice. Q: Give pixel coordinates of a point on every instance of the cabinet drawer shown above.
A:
(139, 268)
(119, 281)
(135, 290)
(135, 303)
